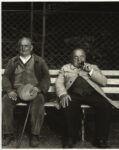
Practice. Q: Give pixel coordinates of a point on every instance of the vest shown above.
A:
(24, 73)
(80, 86)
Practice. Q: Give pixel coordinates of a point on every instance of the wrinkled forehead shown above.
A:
(24, 41)
(79, 52)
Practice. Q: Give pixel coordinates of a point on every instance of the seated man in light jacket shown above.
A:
(79, 83)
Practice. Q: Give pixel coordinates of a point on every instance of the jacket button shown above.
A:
(70, 81)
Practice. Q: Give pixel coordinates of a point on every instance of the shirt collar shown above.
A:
(72, 67)
(25, 59)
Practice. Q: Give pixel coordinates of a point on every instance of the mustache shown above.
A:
(80, 64)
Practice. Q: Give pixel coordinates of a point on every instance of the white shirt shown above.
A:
(25, 59)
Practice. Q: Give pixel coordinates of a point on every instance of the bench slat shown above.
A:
(3, 70)
(21, 104)
(51, 89)
(109, 81)
(110, 72)
(111, 90)
(53, 72)
(52, 104)
(105, 72)
(52, 80)
(113, 81)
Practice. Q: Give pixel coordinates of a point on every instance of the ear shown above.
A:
(31, 47)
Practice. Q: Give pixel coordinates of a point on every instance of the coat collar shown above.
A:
(72, 66)
(16, 60)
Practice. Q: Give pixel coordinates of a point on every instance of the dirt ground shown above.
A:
(49, 139)
(50, 136)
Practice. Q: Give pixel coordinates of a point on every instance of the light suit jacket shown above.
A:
(95, 78)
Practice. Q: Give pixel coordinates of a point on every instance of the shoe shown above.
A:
(7, 139)
(34, 141)
(101, 144)
(69, 143)
(64, 142)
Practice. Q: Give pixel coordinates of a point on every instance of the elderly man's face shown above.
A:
(78, 57)
(25, 47)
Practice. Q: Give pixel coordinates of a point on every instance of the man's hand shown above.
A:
(87, 68)
(65, 100)
(34, 90)
(12, 95)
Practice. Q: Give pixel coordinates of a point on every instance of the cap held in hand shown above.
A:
(24, 92)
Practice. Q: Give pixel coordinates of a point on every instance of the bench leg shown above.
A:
(83, 126)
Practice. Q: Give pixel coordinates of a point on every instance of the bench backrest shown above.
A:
(112, 86)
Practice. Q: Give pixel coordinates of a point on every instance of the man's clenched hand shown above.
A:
(12, 95)
(34, 90)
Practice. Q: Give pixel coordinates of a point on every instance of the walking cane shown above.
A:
(25, 122)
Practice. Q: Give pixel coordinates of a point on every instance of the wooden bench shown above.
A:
(112, 88)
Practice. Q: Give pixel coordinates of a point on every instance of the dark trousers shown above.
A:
(102, 115)
(36, 112)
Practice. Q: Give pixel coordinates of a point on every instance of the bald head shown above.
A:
(25, 46)
(25, 39)
(78, 50)
(78, 56)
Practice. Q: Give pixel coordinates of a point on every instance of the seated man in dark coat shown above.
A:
(79, 83)
(25, 68)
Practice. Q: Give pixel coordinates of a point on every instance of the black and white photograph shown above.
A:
(60, 74)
